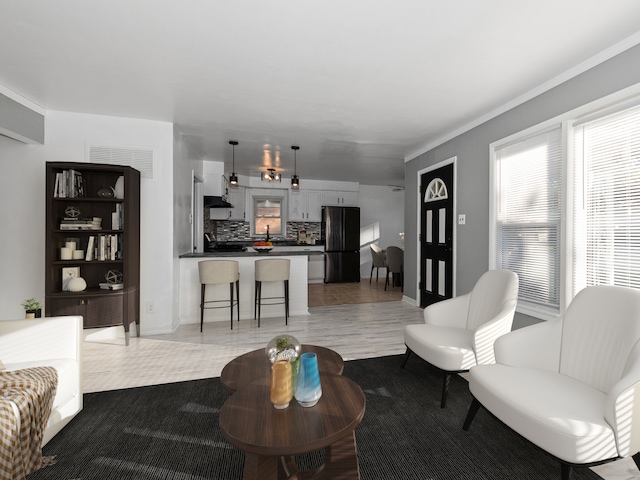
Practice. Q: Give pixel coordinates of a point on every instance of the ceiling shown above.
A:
(359, 85)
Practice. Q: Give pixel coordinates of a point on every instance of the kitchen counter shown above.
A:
(252, 253)
(298, 280)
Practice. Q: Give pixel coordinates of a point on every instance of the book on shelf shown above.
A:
(69, 223)
(104, 247)
(90, 247)
(111, 286)
(117, 219)
(69, 184)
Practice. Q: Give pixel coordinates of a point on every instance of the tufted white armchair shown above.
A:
(571, 385)
(459, 333)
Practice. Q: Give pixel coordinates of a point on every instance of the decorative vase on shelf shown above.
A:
(308, 388)
(76, 284)
(119, 187)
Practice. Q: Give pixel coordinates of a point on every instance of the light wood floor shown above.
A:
(346, 321)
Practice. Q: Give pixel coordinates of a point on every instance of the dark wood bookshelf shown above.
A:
(99, 307)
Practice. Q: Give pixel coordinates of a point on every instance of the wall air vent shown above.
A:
(138, 158)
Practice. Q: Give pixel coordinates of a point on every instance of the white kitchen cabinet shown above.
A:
(305, 206)
(339, 198)
(236, 197)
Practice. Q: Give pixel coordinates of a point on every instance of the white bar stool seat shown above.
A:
(214, 272)
(272, 270)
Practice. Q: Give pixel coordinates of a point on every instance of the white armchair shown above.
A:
(459, 333)
(571, 385)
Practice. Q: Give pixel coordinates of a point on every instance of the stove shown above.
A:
(222, 247)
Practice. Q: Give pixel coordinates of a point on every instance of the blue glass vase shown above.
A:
(308, 388)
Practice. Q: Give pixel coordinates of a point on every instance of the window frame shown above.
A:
(261, 198)
(602, 107)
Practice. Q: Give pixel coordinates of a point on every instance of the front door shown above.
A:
(436, 235)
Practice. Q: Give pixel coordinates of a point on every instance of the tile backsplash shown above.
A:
(229, 230)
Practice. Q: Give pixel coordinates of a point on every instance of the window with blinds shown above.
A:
(527, 214)
(606, 217)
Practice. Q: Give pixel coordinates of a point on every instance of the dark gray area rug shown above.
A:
(171, 432)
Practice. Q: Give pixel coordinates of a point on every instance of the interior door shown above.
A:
(436, 235)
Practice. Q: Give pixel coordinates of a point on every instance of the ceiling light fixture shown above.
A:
(271, 176)
(295, 180)
(233, 178)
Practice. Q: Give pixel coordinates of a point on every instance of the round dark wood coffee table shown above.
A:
(254, 365)
(270, 437)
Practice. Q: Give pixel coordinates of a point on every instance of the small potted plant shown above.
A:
(32, 308)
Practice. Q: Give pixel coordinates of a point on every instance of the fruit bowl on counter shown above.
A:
(263, 247)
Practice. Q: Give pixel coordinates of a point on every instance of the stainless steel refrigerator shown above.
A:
(341, 233)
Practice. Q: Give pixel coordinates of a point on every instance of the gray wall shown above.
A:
(472, 152)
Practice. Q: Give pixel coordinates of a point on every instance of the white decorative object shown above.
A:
(78, 254)
(66, 253)
(119, 188)
(76, 284)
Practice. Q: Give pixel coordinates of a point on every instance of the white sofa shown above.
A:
(55, 342)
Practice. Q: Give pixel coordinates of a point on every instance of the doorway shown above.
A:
(437, 233)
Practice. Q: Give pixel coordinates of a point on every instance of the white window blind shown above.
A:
(607, 201)
(528, 192)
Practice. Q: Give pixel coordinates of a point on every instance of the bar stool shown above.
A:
(272, 270)
(217, 272)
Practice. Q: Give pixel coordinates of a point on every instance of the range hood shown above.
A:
(211, 201)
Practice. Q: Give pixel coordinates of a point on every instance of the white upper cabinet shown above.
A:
(236, 197)
(305, 205)
(339, 198)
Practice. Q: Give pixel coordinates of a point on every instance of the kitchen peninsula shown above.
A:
(298, 299)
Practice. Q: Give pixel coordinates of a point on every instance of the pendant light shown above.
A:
(295, 180)
(233, 178)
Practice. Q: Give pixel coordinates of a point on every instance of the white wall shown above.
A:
(23, 207)
(22, 216)
(381, 221)
(186, 163)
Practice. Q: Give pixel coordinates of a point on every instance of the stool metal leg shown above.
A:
(238, 298)
(231, 302)
(201, 305)
(286, 302)
(258, 300)
(255, 300)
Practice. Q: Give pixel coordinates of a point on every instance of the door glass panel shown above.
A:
(442, 227)
(441, 278)
(429, 226)
(429, 273)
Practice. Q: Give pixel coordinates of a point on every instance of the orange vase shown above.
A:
(281, 389)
